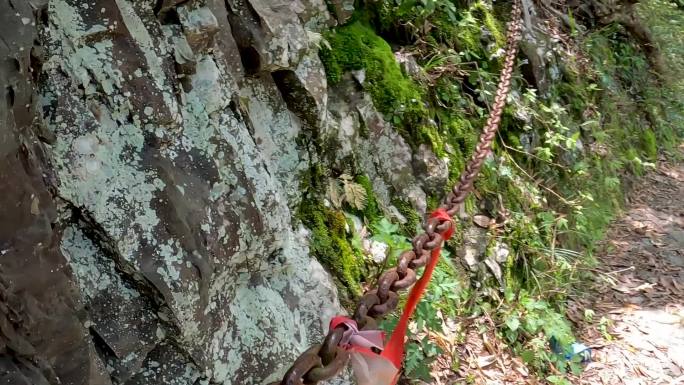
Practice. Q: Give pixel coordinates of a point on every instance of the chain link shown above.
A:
(322, 362)
(484, 147)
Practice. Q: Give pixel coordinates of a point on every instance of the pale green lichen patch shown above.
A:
(193, 206)
(86, 61)
(275, 131)
(263, 308)
(151, 49)
(100, 167)
(94, 272)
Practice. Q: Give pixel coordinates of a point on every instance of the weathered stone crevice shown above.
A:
(297, 97)
(93, 235)
(125, 314)
(39, 311)
(244, 25)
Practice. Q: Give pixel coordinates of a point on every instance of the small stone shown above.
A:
(35, 206)
(678, 237)
(342, 9)
(501, 252)
(199, 25)
(432, 172)
(184, 56)
(495, 269)
(409, 65)
(377, 251)
(482, 221)
(474, 247)
(360, 76)
(470, 258)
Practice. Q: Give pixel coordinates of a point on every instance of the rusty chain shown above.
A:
(324, 361)
(484, 147)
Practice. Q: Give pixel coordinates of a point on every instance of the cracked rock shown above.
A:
(432, 171)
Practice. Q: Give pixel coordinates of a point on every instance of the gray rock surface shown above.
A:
(42, 334)
(542, 66)
(360, 131)
(342, 9)
(152, 155)
(432, 171)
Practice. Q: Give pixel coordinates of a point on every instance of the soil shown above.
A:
(637, 331)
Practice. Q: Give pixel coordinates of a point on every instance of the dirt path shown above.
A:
(637, 331)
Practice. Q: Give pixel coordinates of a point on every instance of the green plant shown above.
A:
(604, 325)
(558, 380)
(386, 232)
(344, 189)
(419, 355)
(529, 325)
(559, 164)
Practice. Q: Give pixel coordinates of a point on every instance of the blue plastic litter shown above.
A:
(576, 349)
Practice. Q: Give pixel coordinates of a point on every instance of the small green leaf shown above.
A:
(557, 380)
(575, 368)
(509, 294)
(513, 323)
(527, 356)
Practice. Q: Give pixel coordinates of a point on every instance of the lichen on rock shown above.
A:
(168, 166)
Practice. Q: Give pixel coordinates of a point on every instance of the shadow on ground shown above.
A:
(637, 331)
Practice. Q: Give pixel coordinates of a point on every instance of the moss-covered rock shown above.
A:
(356, 47)
(413, 219)
(331, 246)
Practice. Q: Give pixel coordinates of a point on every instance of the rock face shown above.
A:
(151, 169)
(43, 339)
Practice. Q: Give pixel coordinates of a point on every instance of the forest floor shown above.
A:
(631, 315)
(637, 331)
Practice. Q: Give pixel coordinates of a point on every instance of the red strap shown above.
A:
(355, 339)
(340, 320)
(394, 351)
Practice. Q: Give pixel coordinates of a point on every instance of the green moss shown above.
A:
(403, 101)
(329, 244)
(433, 202)
(484, 14)
(430, 134)
(461, 138)
(357, 47)
(372, 211)
(650, 144)
(462, 28)
(333, 241)
(467, 35)
(413, 219)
